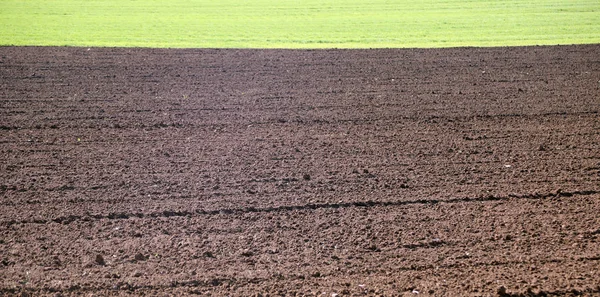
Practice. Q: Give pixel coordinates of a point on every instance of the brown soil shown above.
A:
(472, 171)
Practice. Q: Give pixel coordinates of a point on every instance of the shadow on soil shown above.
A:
(310, 206)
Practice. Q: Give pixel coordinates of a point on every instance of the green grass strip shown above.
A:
(298, 23)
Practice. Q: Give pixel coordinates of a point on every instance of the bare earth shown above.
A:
(444, 172)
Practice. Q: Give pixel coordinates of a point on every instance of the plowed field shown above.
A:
(466, 171)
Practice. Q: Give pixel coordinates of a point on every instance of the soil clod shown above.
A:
(100, 260)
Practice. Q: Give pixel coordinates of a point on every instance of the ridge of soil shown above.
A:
(442, 172)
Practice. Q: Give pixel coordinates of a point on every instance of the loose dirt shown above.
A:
(456, 172)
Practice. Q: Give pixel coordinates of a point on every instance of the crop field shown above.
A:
(195, 148)
(298, 24)
(231, 172)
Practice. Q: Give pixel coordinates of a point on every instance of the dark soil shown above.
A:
(458, 172)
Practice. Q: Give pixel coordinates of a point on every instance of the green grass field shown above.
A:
(298, 23)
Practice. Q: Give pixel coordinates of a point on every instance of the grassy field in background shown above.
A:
(298, 24)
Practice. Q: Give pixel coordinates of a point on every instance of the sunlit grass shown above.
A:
(298, 24)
